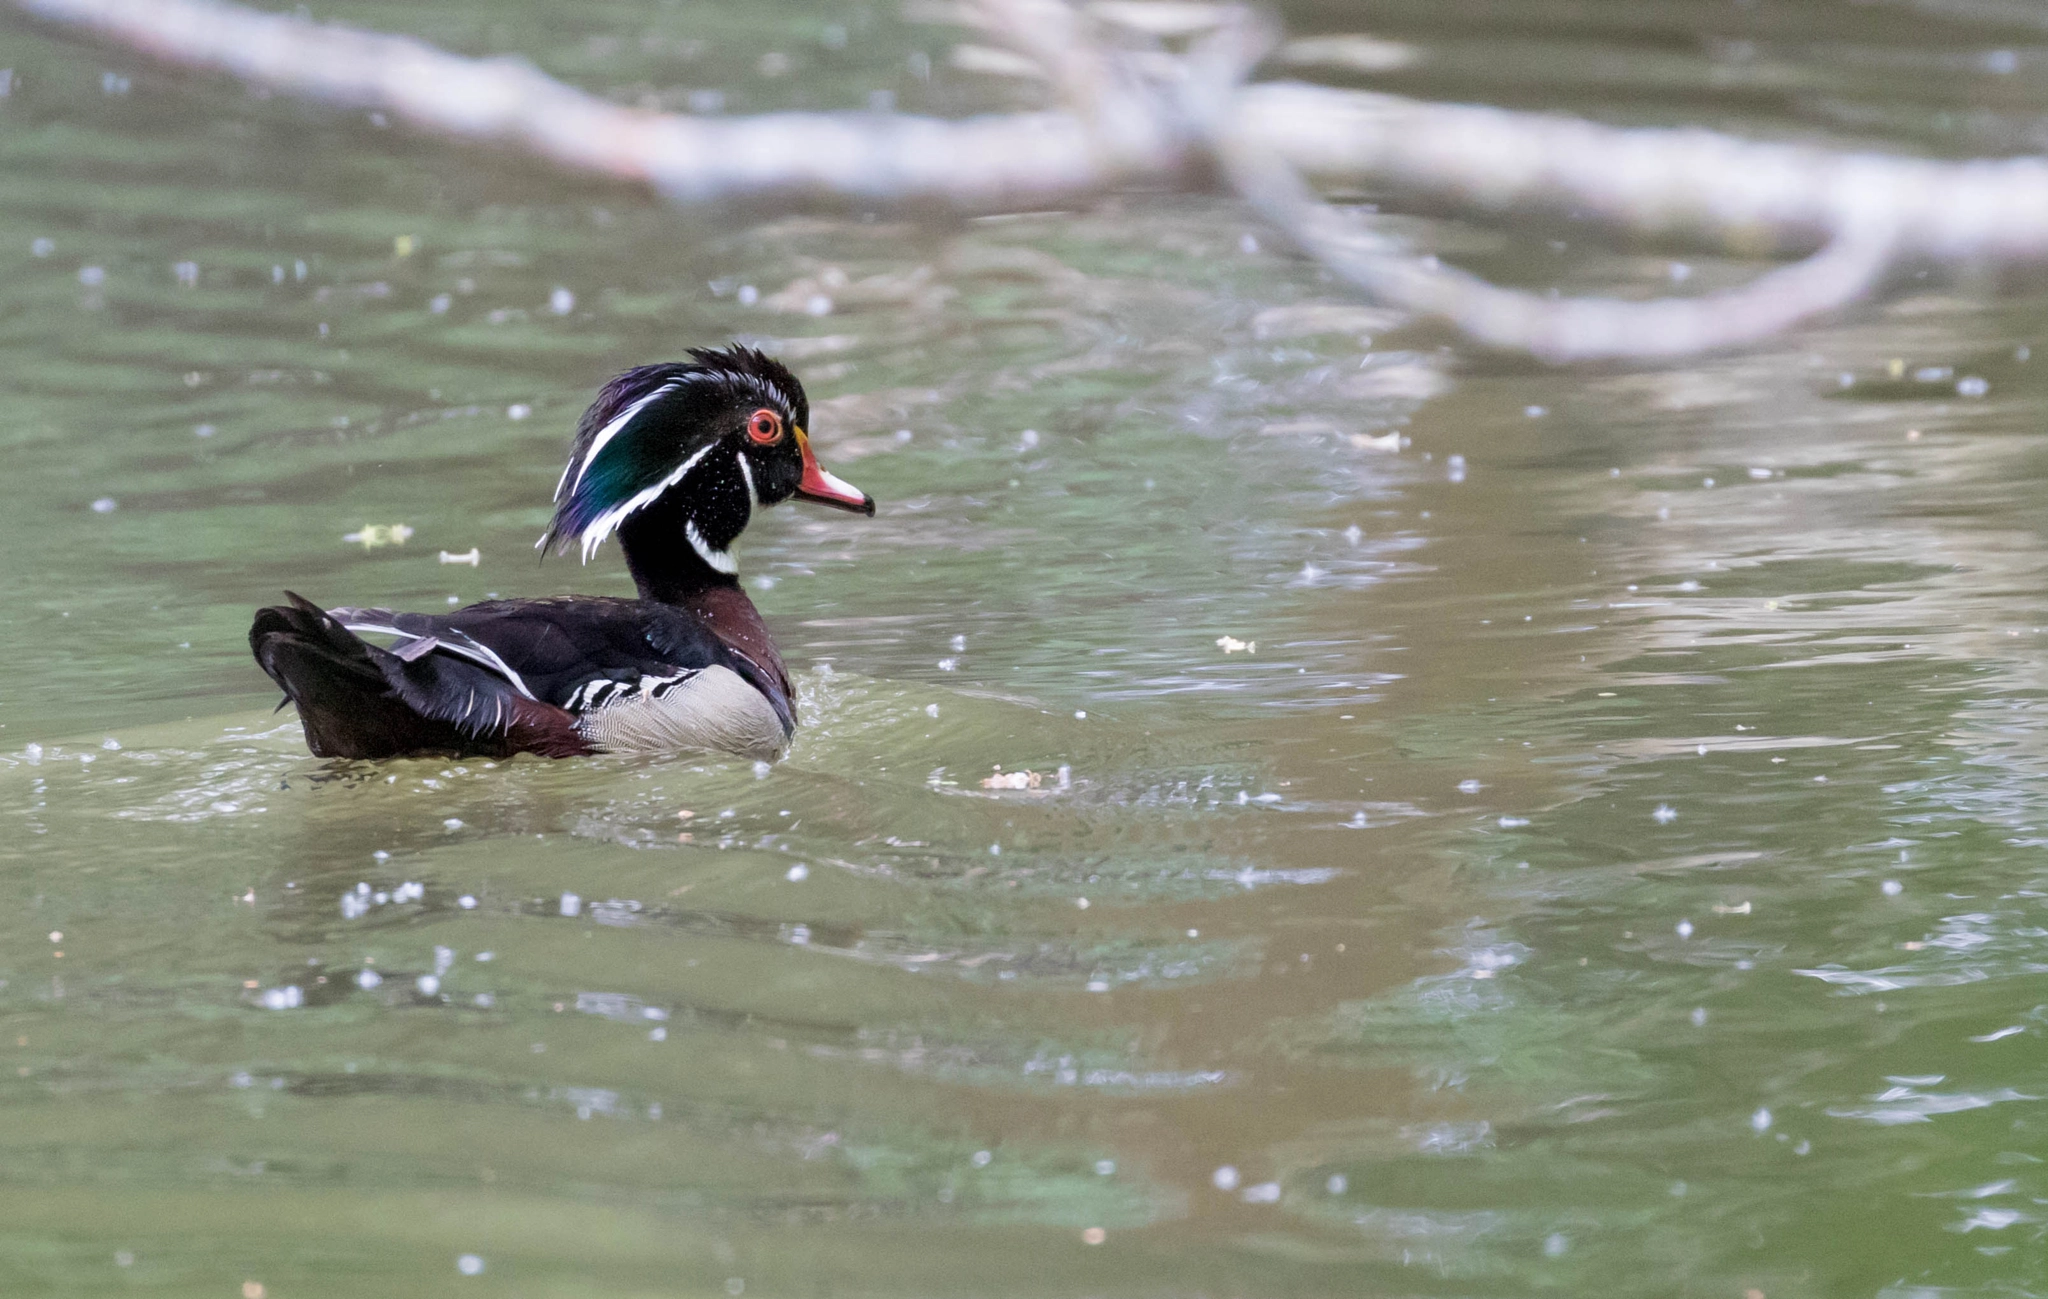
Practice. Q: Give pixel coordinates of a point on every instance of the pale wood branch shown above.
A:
(1137, 114)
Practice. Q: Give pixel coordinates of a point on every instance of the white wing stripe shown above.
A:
(472, 649)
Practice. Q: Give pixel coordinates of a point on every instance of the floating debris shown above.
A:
(1383, 442)
(1012, 780)
(374, 535)
(1232, 645)
(473, 557)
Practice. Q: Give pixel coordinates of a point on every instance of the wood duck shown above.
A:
(672, 459)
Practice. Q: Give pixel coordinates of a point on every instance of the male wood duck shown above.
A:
(672, 459)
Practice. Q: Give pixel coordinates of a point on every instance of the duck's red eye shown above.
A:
(764, 426)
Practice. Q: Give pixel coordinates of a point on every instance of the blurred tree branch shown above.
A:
(1156, 96)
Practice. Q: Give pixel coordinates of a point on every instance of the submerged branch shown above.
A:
(1136, 114)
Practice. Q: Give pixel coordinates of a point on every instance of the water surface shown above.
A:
(1617, 868)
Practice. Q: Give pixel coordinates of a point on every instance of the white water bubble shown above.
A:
(1664, 815)
(798, 873)
(428, 984)
(105, 505)
(748, 295)
(761, 770)
(452, 823)
(288, 997)
(92, 276)
(571, 904)
(467, 902)
(42, 247)
(1556, 1244)
(438, 304)
(981, 1158)
(931, 710)
(1684, 929)
(1263, 1193)
(1971, 385)
(1338, 1184)
(1105, 1167)
(469, 1265)
(1225, 1178)
(1892, 888)
(367, 979)
(1699, 1016)
(561, 301)
(1760, 1121)
(1469, 787)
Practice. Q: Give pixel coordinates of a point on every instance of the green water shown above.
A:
(1620, 868)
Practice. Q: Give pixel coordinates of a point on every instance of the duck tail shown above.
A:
(340, 686)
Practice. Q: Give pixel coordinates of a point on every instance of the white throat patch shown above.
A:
(721, 560)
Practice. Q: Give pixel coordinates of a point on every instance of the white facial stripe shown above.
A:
(721, 560)
(604, 524)
(747, 472)
(610, 431)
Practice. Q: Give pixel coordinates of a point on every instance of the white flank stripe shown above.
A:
(605, 524)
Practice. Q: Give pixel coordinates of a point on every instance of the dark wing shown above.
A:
(359, 701)
(553, 651)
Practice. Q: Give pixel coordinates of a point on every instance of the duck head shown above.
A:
(674, 458)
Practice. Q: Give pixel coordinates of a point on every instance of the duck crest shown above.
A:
(655, 426)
